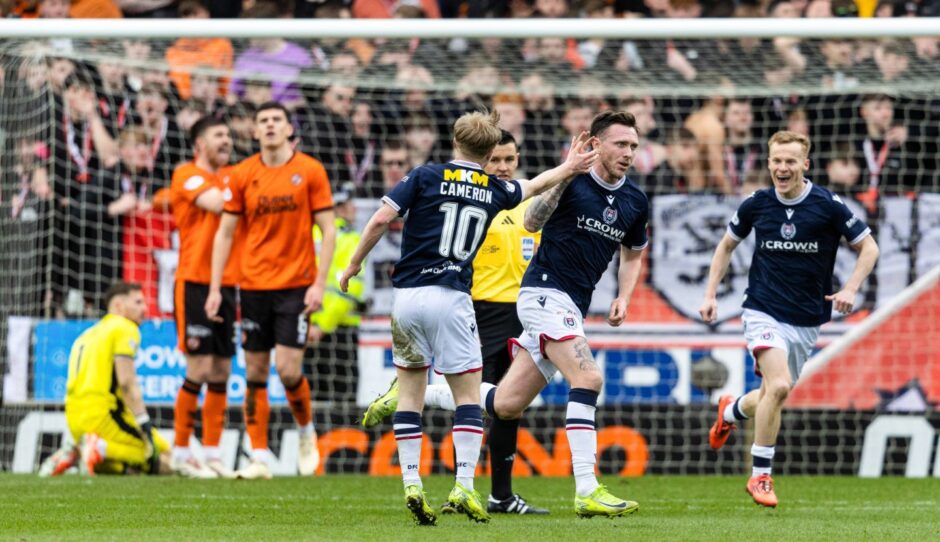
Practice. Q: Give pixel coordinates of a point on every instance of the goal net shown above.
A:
(92, 127)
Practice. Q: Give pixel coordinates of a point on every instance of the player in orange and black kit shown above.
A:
(196, 198)
(278, 194)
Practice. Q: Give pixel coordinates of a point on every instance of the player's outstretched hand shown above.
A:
(842, 301)
(583, 153)
(348, 273)
(213, 302)
(313, 298)
(709, 310)
(618, 311)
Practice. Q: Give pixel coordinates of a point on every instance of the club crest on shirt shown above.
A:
(569, 320)
(788, 231)
(767, 335)
(610, 215)
(296, 179)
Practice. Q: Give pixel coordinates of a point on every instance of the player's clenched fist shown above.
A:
(843, 301)
(709, 310)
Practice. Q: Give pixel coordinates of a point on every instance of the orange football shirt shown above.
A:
(197, 226)
(276, 205)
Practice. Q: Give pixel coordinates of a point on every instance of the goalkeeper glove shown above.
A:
(151, 453)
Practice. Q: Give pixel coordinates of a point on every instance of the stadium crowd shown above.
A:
(94, 129)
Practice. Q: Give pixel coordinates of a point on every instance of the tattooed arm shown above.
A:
(543, 206)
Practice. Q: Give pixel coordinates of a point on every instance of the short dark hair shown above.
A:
(79, 79)
(394, 144)
(877, 97)
(680, 135)
(508, 138)
(605, 120)
(119, 289)
(267, 106)
(202, 125)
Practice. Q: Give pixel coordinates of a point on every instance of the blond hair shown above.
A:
(785, 136)
(477, 133)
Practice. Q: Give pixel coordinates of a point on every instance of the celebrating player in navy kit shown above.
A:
(449, 206)
(583, 224)
(798, 227)
(597, 213)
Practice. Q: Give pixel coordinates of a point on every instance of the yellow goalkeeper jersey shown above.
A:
(92, 383)
(503, 257)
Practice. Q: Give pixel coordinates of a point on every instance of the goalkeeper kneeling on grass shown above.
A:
(104, 405)
(334, 329)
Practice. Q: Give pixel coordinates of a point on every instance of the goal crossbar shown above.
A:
(471, 28)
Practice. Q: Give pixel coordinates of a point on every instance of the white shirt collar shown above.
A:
(604, 184)
(466, 163)
(798, 199)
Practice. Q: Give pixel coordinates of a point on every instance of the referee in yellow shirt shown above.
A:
(497, 272)
(104, 406)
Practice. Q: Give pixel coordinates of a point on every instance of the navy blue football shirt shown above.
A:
(592, 219)
(795, 252)
(449, 206)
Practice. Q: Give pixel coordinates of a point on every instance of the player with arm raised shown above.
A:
(208, 346)
(280, 194)
(797, 226)
(584, 221)
(449, 208)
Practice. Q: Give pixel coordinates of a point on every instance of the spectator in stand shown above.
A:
(54, 9)
(189, 113)
(393, 162)
(114, 95)
(205, 88)
(512, 119)
(893, 61)
(326, 132)
(834, 71)
(276, 58)
(188, 53)
(681, 171)
(153, 9)
(345, 64)
(383, 9)
(798, 121)
(576, 119)
(818, 9)
(85, 242)
(542, 118)
(888, 150)
(59, 71)
(742, 154)
(257, 91)
(361, 156)
(552, 58)
(136, 52)
(650, 153)
(167, 143)
(94, 9)
(706, 123)
(241, 119)
(421, 139)
(551, 8)
(843, 175)
(145, 228)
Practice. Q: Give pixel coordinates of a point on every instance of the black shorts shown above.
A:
(272, 317)
(196, 334)
(498, 322)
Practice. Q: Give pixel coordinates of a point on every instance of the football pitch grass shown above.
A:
(372, 508)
